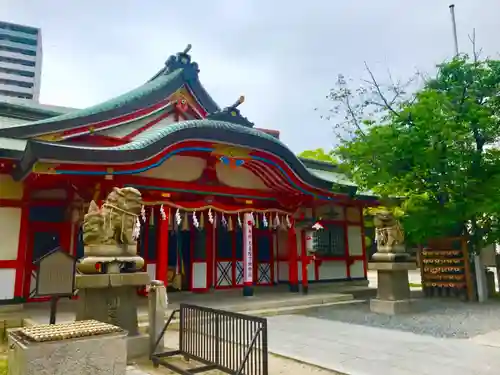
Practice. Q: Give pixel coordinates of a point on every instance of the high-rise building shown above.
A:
(20, 61)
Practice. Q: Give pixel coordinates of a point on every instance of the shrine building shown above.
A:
(226, 204)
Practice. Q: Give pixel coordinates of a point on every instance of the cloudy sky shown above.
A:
(284, 56)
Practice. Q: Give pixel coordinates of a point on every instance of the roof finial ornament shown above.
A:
(240, 101)
(187, 49)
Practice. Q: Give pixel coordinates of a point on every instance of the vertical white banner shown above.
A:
(247, 249)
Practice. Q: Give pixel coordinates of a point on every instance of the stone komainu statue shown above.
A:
(115, 223)
(388, 233)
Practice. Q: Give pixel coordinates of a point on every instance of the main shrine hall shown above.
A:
(226, 204)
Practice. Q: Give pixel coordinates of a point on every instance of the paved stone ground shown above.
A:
(360, 350)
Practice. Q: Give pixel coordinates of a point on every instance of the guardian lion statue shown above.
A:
(388, 233)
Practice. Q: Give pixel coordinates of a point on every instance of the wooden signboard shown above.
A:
(55, 277)
(445, 269)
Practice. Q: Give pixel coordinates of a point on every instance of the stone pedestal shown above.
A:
(112, 298)
(96, 354)
(393, 291)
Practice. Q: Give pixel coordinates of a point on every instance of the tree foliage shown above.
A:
(436, 146)
(319, 154)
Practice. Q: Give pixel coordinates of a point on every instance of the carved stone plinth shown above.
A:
(393, 291)
(112, 298)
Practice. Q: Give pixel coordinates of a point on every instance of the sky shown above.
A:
(284, 56)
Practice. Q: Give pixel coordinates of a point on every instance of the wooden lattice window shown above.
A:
(330, 241)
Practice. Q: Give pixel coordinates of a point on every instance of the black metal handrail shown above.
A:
(222, 340)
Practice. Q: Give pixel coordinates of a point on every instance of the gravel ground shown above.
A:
(434, 317)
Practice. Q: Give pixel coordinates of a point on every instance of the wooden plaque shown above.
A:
(56, 274)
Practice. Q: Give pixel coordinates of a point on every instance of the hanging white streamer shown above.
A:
(210, 216)
(196, 223)
(178, 217)
(240, 224)
(277, 221)
(288, 222)
(264, 221)
(252, 218)
(223, 220)
(162, 213)
(143, 213)
(136, 231)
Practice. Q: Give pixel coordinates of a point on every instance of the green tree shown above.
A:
(319, 154)
(437, 147)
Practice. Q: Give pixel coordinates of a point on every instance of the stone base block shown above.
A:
(390, 307)
(137, 346)
(96, 355)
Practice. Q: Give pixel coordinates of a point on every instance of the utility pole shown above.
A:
(454, 26)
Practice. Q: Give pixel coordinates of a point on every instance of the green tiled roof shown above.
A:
(151, 136)
(333, 177)
(118, 101)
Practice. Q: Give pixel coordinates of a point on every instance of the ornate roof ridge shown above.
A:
(232, 114)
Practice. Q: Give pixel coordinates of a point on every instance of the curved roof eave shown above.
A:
(152, 143)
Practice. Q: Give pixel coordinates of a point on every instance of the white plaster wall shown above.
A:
(283, 271)
(10, 224)
(357, 269)
(355, 239)
(353, 214)
(332, 270)
(238, 177)
(199, 275)
(178, 168)
(310, 271)
(7, 283)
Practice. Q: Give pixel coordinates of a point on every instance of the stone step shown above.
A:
(296, 309)
(256, 304)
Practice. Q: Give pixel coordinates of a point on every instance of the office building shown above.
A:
(20, 61)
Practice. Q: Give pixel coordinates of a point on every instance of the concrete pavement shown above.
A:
(360, 350)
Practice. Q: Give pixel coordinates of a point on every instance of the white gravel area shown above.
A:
(434, 317)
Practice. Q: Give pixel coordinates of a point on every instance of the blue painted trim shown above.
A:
(175, 152)
(139, 170)
(288, 177)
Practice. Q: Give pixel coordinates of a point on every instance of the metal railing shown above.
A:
(220, 340)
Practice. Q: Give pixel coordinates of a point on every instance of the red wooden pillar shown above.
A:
(209, 248)
(293, 270)
(162, 250)
(304, 262)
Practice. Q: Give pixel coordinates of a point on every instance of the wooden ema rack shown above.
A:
(445, 269)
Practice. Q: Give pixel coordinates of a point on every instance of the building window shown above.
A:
(12, 82)
(22, 73)
(16, 94)
(22, 51)
(19, 28)
(330, 241)
(18, 39)
(17, 61)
